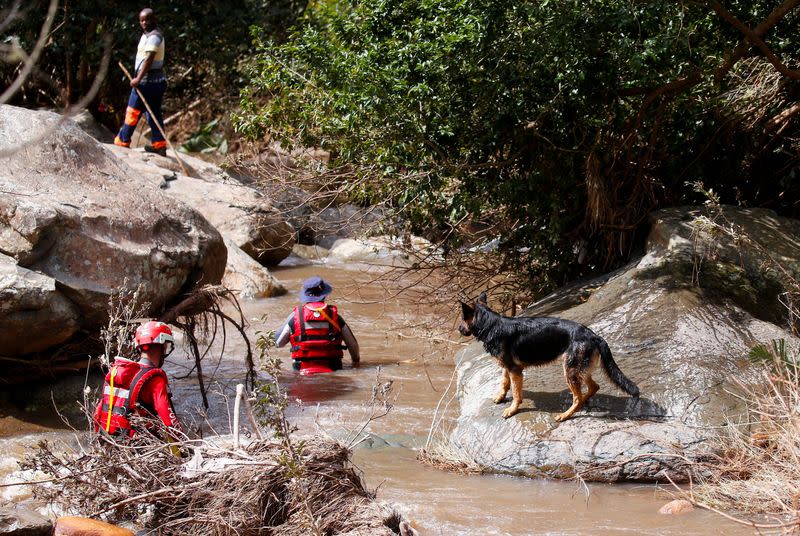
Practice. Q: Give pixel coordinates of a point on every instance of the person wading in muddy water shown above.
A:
(140, 386)
(149, 79)
(317, 332)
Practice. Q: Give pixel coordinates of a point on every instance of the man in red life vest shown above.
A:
(317, 333)
(138, 387)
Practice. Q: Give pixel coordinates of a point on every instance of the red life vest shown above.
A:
(120, 397)
(317, 333)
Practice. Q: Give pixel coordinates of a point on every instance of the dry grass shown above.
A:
(757, 91)
(759, 472)
(441, 455)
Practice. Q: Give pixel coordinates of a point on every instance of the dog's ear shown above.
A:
(482, 299)
(467, 312)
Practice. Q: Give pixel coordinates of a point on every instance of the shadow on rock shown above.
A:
(600, 405)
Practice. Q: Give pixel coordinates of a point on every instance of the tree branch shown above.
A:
(676, 86)
(72, 110)
(756, 40)
(741, 49)
(781, 119)
(31, 60)
(12, 15)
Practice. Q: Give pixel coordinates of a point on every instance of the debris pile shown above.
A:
(264, 488)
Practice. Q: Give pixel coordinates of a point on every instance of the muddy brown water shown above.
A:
(407, 337)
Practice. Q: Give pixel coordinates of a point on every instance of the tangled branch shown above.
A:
(201, 315)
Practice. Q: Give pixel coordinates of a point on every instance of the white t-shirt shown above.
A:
(151, 41)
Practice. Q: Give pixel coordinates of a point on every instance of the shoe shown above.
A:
(118, 141)
(150, 149)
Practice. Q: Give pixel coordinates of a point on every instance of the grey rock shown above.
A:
(72, 211)
(684, 344)
(92, 127)
(746, 269)
(17, 520)
(33, 313)
(238, 211)
(247, 277)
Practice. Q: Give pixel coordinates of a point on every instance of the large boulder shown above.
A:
(247, 278)
(382, 250)
(34, 314)
(92, 127)
(683, 339)
(238, 211)
(71, 210)
(733, 254)
(17, 520)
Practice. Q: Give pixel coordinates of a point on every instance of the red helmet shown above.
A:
(153, 333)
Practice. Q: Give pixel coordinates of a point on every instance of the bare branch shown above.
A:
(72, 110)
(741, 49)
(13, 13)
(756, 40)
(31, 60)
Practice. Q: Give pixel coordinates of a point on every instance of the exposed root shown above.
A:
(200, 315)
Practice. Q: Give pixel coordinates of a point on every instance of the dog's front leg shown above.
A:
(505, 385)
(516, 394)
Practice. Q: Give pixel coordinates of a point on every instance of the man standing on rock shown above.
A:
(151, 82)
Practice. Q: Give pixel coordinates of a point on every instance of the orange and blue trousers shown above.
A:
(153, 92)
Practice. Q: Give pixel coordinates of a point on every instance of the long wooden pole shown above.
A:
(150, 111)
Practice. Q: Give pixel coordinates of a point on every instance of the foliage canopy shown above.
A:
(558, 124)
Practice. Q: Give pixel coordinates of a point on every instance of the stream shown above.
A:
(407, 338)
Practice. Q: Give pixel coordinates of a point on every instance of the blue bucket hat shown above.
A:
(314, 289)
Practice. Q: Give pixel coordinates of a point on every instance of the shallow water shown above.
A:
(407, 336)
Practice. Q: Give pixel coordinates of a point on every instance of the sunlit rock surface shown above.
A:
(239, 212)
(72, 211)
(247, 277)
(681, 336)
(76, 225)
(381, 250)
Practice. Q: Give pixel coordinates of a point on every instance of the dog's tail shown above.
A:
(613, 372)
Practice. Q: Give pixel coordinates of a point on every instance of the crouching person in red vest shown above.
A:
(317, 333)
(138, 387)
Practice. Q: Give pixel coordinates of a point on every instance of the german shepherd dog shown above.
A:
(517, 343)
